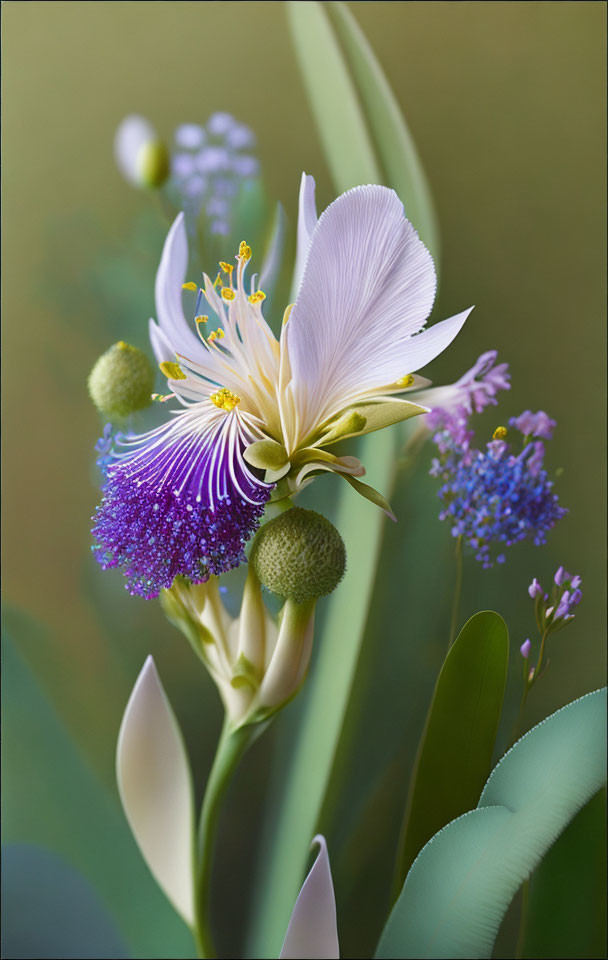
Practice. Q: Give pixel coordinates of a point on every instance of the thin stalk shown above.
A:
(231, 747)
(457, 591)
(523, 922)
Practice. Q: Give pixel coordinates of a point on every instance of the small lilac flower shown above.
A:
(525, 649)
(191, 136)
(535, 590)
(575, 582)
(477, 388)
(219, 124)
(534, 424)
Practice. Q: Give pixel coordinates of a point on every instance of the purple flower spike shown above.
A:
(525, 649)
(535, 590)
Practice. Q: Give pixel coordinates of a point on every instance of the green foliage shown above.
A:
(455, 752)
(52, 798)
(462, 882)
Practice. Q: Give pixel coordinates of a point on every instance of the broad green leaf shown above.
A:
(392, 139)
(455, 751)
(52, 798)
(155, 786)
(462, 882)
(352, 158)
(565, 908)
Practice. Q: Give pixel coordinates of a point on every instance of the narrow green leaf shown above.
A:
(333, 98)
(462, 882)
(392, 139)
(353, 159)
(565, 913)
(455, 751)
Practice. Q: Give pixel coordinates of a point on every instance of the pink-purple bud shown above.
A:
(535, 590)
(560, 576)
(525, 649)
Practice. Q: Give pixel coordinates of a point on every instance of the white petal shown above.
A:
(160, 345)
(424, 347)
(170, 276)
(312, 933)
(368, 286)
(156, 789)
(132, 134)
(307, 221)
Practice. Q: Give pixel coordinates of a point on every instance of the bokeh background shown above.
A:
(506, 104)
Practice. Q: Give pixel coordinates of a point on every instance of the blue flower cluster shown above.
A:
(494, 498)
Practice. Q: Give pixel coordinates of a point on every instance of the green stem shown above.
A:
(231, 747)
(523, 923)
(457, 591)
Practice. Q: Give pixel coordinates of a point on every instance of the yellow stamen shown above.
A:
(161, 398)
(218, 281)
(228, 294)
(172, 370)
(226, 267)
(212, 336)
(220, 333)
(500, 433)
(190, 285)
(257, 297)
(244, 250)
(201, 319)
(406, 381)
(225, 399)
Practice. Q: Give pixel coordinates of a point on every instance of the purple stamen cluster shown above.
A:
(493, 498)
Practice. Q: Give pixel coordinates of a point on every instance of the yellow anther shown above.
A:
(172, 370)
(257, 297)
(212, 336)
(500, 433)
(228, 294)
(218, 281)
(406, 381)
(201, 319)
(122, 345)
(244, 250)
(220, 333)
(225, 399)
(226, 267)
(190, 285)
(161, 398)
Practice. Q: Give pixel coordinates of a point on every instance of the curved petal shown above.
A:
(155, 788)
(170, 276)
(368, 286)
(160, 344)
(312, 933)
(423, 348)
(307, 221)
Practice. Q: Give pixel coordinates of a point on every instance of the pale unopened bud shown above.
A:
(141, 155)
(121, 382)
(299, 555)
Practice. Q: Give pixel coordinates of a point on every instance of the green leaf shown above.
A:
(369, 493)
(462, 882)
(333, 98)
(392, 139)
(52, 798)
(365, 418)
(352, 156)
(266, 455)
(455, 751)
(565, 913)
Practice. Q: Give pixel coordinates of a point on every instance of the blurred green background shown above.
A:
(506, 104)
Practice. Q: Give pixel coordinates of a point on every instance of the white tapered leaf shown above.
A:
(312, 932)
(155, 787)
(460, 885)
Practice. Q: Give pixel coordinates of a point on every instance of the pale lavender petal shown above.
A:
(368, 286)
(312, 933)
(424, 347)
(307, 221)
(168, 292)
(160, 345)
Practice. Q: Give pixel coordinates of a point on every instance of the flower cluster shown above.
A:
(494, 497)
(208, 166)
(554, 611)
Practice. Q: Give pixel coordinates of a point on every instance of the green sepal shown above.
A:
(266, 455)
(245, 674)
(370, 494)
(367, 417)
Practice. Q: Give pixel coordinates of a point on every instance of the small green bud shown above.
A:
(153, 164)
(299, 555)
(121, 381)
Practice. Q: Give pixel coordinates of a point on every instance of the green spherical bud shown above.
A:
(299, 555)
(121, 381)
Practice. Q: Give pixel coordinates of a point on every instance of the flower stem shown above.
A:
(231, 747)
(457, 591)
